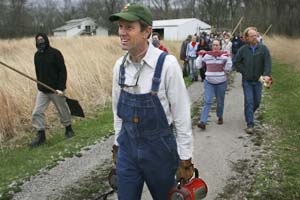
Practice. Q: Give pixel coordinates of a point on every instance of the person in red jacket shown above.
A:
(156, 42)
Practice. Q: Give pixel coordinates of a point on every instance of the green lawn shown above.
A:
(279, 178)
(18, 164)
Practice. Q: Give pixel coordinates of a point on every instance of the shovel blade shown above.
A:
(75, 107)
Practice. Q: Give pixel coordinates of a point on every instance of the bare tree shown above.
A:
(16, 23)
(46, 16)
(161, 8)
(20, 18)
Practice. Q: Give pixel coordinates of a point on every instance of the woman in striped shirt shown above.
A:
(217, 64)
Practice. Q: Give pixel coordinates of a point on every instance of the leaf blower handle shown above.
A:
(185, 171)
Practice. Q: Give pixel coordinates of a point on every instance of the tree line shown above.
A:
(21, 18)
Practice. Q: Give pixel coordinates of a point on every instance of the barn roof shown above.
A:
(72, 24)
(177, 22)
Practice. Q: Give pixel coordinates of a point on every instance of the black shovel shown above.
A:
(74, 106)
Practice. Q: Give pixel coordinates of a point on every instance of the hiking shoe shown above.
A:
(220, 121)
(39, 140)
(201, 125)
(69, 132)
(249, 130)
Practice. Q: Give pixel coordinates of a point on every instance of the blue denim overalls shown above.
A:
(147, 146)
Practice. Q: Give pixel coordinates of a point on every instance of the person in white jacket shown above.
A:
(227, 44)
(216, 63)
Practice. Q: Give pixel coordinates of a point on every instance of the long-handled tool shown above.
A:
(267, 30)
(74, 106)
(235, 28)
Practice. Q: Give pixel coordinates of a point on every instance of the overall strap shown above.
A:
(157, 74)
(122, 72)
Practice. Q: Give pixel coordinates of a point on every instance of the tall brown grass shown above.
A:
(89, 62)
(285, 50)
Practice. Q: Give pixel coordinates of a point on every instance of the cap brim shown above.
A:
(126, 16)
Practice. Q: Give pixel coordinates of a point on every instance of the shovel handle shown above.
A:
(29, 77)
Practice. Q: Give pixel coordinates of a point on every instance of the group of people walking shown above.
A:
(151, 104)
(152, 120)
(245, 54)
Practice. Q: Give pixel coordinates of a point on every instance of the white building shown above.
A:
(179, 29)
(77, 27)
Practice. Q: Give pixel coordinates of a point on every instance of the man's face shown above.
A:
(155, 37)
(40, 39)
(194, 38)
(252, 37)
(40, 44)
(131, 36)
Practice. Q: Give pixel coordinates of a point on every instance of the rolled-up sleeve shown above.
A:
(115, 98)
(199, 62)
(180, 108)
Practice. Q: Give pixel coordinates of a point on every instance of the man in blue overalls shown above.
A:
(150, 104)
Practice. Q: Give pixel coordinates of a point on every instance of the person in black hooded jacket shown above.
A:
(51, 70)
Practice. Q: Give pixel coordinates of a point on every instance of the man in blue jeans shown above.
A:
(253, 60)
(149, 101)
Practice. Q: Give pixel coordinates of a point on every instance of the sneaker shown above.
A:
(249, 130)
(220, 121)
(201, 125)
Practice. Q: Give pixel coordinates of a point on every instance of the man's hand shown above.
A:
(185, 171)
(266, 81)
(229, 53)
(59, 92)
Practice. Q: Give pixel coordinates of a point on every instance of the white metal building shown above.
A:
(77, 27)
(179, 29)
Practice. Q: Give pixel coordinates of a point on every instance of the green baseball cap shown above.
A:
(133, 12)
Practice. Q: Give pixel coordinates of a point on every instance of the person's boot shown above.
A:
(69, 132)
(40, 139)
(201, 125)
(220, 121)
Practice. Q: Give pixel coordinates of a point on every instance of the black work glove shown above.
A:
(185, 171)
(112, 176)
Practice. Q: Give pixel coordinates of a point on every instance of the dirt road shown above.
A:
(216, 150)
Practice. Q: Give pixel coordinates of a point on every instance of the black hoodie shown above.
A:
(50, 67)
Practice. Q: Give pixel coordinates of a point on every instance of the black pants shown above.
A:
(202, 74)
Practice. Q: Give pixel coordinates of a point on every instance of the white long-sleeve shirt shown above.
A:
(172, 94)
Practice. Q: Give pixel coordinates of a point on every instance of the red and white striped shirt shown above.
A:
(216, 64)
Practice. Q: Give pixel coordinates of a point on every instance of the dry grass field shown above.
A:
(89, 62)
(284, 49)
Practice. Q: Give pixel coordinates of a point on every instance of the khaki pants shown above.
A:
(42, 103)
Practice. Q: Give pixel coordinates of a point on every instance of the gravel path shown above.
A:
(215, 150)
